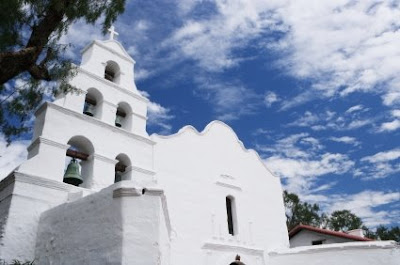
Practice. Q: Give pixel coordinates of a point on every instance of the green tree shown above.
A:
(300, 212)
(344, 220)
(385, 233)
(30, 51)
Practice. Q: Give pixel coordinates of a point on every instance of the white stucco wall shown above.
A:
(305, 238)
(118, 225)
(197, 172)
(355, 253)
(23, 198)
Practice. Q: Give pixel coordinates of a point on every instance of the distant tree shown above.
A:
(344, 220)
(29, 50)
(300, 212)
(385, 233)
(368, 232)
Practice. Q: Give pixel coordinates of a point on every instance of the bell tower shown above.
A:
(102, 125)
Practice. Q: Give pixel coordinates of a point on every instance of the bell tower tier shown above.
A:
(102, 125)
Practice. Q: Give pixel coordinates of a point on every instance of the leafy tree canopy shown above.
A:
(300, 212)
(343, 220)
(31, 58)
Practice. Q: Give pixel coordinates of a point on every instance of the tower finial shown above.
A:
(112, 32)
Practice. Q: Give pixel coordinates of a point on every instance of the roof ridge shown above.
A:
(299, 227)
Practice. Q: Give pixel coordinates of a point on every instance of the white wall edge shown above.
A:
(337, 247)
(190, 128)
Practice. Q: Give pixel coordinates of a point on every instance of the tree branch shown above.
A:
(15, 63)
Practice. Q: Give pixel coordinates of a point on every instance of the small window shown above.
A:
(317, 242)
(230, 210)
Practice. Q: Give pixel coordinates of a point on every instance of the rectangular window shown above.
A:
(317, 242)
(229, 215)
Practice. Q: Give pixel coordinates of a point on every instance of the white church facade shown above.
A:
(188, 198)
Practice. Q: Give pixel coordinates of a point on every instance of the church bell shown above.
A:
(72, 174)
(118, 121)
(88, 109)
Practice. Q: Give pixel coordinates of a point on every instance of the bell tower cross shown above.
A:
(112, 32)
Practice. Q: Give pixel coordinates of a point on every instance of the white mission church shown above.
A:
(130, 198)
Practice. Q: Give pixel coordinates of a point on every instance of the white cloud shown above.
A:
(80, 34)
(363, 204)
(211, 41)
(270, 98)
(346, 140)
(390, 126)
(329, 120)
(158, 115)
(380, 165)
(231, 100)
(306, 120)
(341, 46)
(383, 156)
(300, 159)
(11, 156)
(396, 113)
(300, 173)
(355, 108)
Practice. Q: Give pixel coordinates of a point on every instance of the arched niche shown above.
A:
(93, 101)
(122, 168)
(112, 72)
(81, 150)
(123, 117)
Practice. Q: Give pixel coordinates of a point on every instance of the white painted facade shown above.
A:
(169, 208)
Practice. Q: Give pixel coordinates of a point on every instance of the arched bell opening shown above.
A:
(92, 103)
(79, 165)
(123, 117)
(231, 215)
(121, 172)
(112, 72)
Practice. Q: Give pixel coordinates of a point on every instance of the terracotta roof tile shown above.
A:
(300, 227)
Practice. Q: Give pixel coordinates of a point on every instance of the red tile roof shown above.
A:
(300, 227)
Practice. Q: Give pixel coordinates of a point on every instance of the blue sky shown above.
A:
(313, 86)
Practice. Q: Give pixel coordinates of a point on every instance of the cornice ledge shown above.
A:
(228, 185)
(127, 192)
(100, 123)
(126, 91)
(105, 159)
(43, 182)
(108, 103)
(139, 116)
(153, 192)
(142, 170)
(41, 139)
(224, 246)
